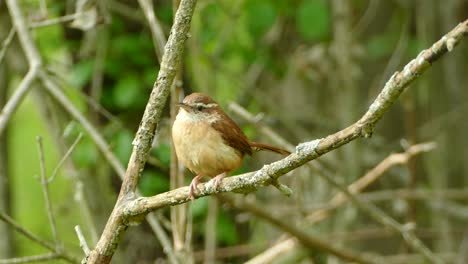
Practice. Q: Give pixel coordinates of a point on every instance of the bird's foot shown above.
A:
(193, 186)
(218, 179)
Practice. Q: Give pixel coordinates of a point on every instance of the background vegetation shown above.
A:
(305, 68)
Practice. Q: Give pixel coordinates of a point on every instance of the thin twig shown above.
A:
(6, 43)
(163, 238)
(57, 20)
(210, 232)
(43, 8)
(157, 33)
(31, 259)
(370, 177)
(45, 190)
(339, 199)
(98, 139)
(63, 255)
(81, 238)
(19, 94)
(26, 232)
(310, 241)
(65, 157)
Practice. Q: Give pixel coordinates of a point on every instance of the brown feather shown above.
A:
(231, 133)
(261, 146)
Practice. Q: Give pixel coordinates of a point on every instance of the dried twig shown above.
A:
(81, 238)
(6, 43)
(31, 259)
(65, 157)
(63, 255)
(308, 240)
(45, 190)
(159, 39)
(57, 20)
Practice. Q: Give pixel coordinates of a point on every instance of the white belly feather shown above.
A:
(201, 148)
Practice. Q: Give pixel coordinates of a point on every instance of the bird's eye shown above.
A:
(199, 107)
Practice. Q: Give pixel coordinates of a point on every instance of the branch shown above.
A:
(6, 43)
(118, 220)
(339, 199)
(62, 254)
(311, 150)
(14, 101)
(30, 259)
(159, 39)
(81, 238)
(309, 241)
(45, 190)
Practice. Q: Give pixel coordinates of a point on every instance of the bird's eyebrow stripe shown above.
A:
(205, 105)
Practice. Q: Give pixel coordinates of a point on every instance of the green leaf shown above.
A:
(200, 207)
(227, 231)
(81, 73)
(313, 19)
(123, 145)
(261, 16)
(163, 154)
(152, 183)
(127, 91)
(211, 17)
(85, 153)
(380, 46)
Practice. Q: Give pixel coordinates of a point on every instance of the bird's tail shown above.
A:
(261, 146)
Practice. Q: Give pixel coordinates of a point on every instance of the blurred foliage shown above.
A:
(275, 57)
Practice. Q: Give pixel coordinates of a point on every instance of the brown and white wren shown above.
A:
(208, 142)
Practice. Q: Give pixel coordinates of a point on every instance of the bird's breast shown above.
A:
(202, 149)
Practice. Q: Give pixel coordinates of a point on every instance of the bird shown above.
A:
(208, 142)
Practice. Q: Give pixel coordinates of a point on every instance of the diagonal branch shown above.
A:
(118, 220)
(311, 150)
(310, 241)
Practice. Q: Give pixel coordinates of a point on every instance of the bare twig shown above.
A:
(164, 239)
(98, 71)
(54, 21)
(63, 255)
(159, 39)
(45, 190)
(65, 157)
(98, 139)
(14, 101)
(308, 240)
(43, 8)
(271, 253)
(230, 251)
(34, 61)
(6, 43)
(210, 232)
(31, 259)
(81, 238)
(26, 232)
(339, 199)
(370, 177)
